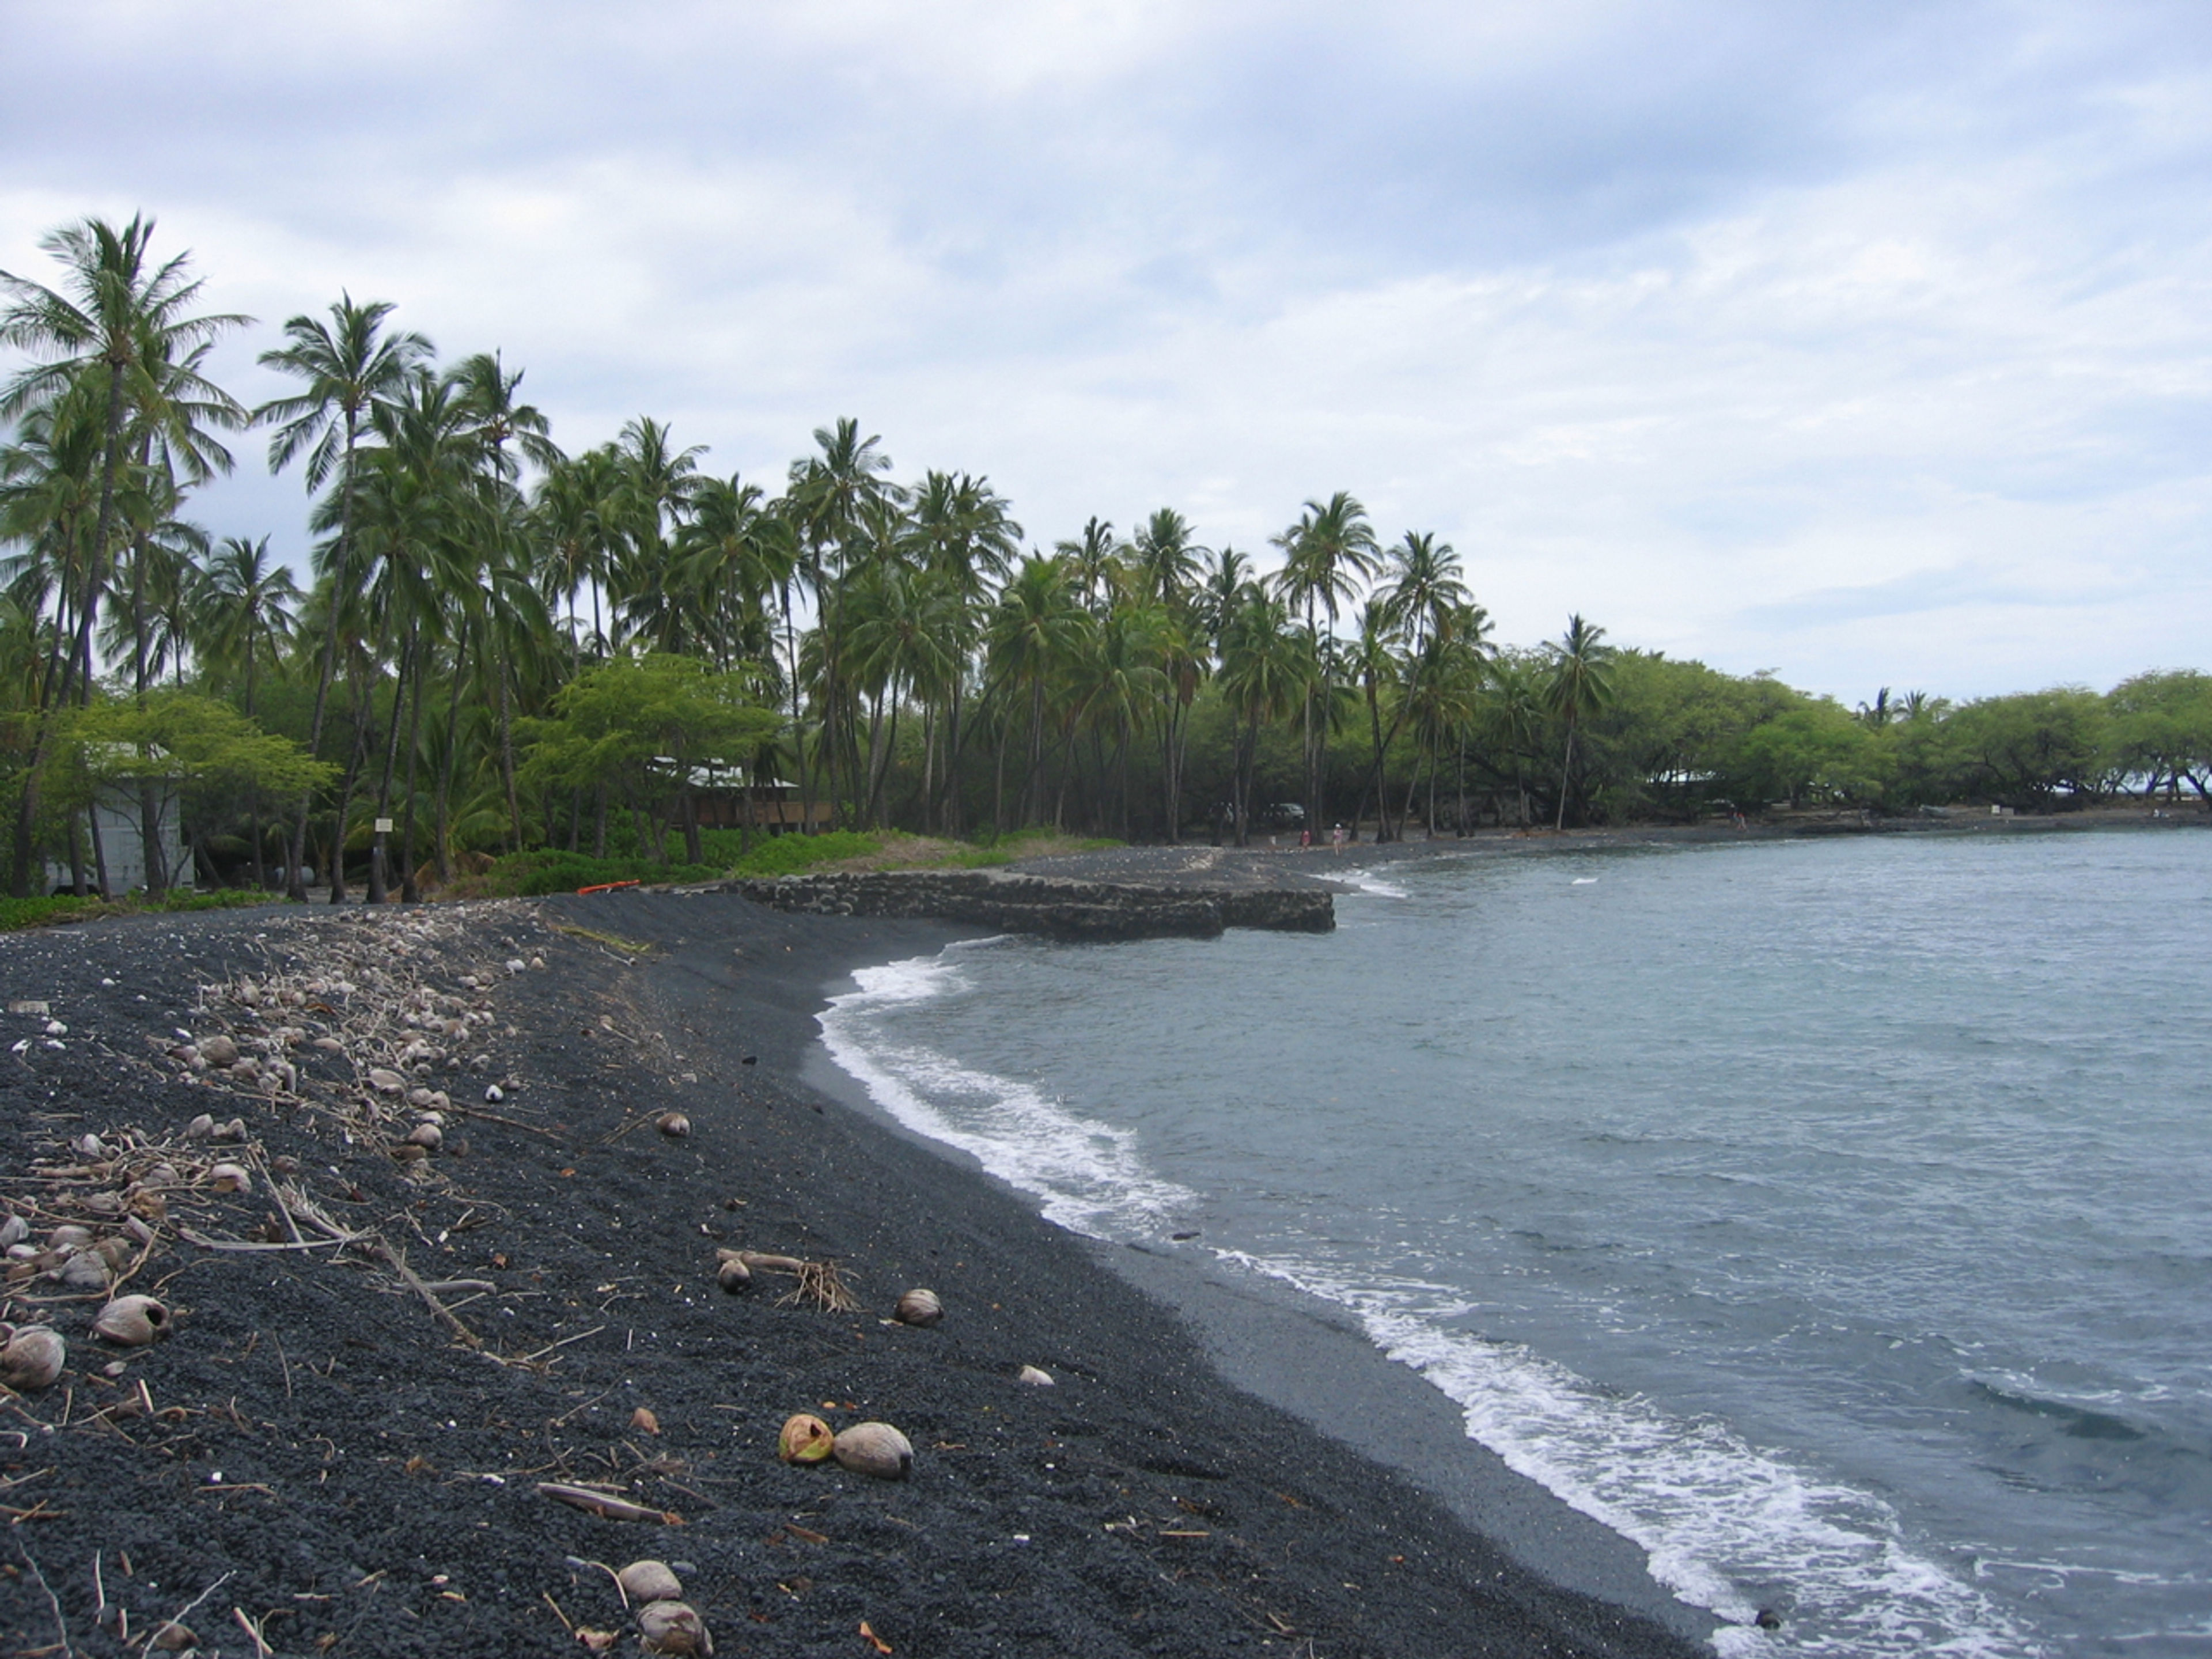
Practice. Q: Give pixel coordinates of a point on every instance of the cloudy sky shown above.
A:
(1871, 343)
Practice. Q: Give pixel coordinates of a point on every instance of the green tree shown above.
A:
(1580, 683)
(349, 367)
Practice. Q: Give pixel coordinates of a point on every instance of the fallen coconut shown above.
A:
(32, 1358)
(115, 1250)
(674, 1627)
(200, 1128)
(650, 1581)
(875, 1448)
(131, 1322)
(919, 1306)
(674, 1125)
(83, 1271)
(805, 1439)
(1034, 1378)
(218, 1050)
(732, 1274)
(230, 1178)
(384, 1080)
(69, 1237)
(13, 1231)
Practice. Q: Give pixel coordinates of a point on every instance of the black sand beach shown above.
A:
(320, 1460)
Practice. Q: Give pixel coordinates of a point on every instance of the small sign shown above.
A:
(384, 826)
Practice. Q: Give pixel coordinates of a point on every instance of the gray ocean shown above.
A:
(1830, 1218)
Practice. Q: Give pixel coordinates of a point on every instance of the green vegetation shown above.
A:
(552, 669)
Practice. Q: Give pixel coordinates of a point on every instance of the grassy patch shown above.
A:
(616, 942)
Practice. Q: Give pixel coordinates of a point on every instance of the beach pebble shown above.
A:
(230, 1178)
(674, 1125)
(429, 1136)
(89, 1147)
(494, 1094)
(1035, 1378)
(514, 964)
(69, 1237)
(55, 1028)
(328, 1045)
(732, 1274)
(384, 1080)
(13, 1231)
(874, 1449)
(218, 1050)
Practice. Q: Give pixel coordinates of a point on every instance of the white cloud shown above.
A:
(1868, 345)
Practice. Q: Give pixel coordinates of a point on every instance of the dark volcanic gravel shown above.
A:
(316, 1461)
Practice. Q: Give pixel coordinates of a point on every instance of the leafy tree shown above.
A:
(640, 726)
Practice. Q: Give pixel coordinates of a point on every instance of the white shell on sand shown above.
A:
(876, 1449)
(1035, 1378)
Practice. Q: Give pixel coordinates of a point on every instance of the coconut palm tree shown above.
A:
(1579, 684)
(243, 611)
(1327, 555)
(1037, 626)
(1266, 670)
(349, 367)
(106, 339)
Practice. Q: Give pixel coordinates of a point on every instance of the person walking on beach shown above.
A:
(1336, 839)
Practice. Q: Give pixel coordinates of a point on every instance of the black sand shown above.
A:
(318, 1453)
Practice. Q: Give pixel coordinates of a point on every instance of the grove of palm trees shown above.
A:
(508, 646)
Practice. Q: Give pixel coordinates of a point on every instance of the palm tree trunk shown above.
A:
(1566, 766)
(295, 885)
(410, 891)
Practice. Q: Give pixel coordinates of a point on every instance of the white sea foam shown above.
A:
(1712, 1513)
(1366, 881)
(1087, 1176)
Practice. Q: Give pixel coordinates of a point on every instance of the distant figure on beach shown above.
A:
(1305, 837)
(1336, 839)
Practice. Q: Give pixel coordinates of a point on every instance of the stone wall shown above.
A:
(1046, 904)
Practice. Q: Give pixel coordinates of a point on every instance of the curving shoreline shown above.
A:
(317, 1434)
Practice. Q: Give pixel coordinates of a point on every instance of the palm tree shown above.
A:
(1326, 553)
(243, 615)
(107, 342)
(828, 497)
(1090, 558)
(1166, 559)
(962, 534)
(1422, 586)
(1037, 626)
(350, 367)
(1580, 683)
(1266, 671)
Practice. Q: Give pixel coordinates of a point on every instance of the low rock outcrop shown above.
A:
(1054, 906)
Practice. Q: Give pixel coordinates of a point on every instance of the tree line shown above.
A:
(505, 645)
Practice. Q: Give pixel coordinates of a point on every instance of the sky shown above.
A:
(1870, 344)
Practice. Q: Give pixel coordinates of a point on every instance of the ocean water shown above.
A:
(1833, 1219)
